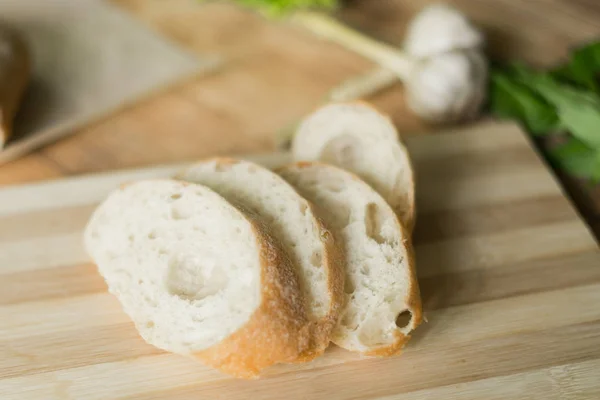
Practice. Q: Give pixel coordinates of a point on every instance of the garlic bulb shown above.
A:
(448, 87)
(442, 67)
(448, 81)
(439, 29)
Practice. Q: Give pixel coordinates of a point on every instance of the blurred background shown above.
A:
(95, 85)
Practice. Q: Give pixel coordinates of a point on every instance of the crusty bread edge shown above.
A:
(334, 263)
(277, 331)
(320, 330)
(413, 296)
(410, 221)
(413, 299)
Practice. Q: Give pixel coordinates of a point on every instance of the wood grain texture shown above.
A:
(275, 74)
(510, 285)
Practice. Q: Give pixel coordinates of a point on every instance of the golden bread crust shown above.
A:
(278, 330)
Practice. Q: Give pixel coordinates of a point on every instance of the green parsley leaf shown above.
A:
(578, 110)
(583, 68)
(511, 99)
(564, 100)
(577, 159)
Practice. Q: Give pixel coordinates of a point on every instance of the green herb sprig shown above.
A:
(564, 101)
(278, 8)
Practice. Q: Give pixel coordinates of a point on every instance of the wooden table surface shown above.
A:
(508, 275)
(275, 73)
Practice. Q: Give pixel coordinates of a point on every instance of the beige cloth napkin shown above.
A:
(89, 58)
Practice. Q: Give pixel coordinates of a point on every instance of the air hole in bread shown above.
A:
(130, 237)
(220, 167)
(178, 212)
(315, 259)
(303, 208)
(198, 318)
(374, 224)
(334, 186)
(151, 302)
(344, 150)
(369, 286)
(176, 196)
(365, 270)
(389, 298)
(150, 324)
(403, 319)
(349, 321)
(192, 278)
(152, 235)
(349, 287)
(340, 217)
(372, 335)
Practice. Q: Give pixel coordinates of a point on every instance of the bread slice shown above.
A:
(383, 303)
(303, 236)
(198, 277)
(358, 138)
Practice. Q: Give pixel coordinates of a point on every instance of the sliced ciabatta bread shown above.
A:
(310, 246)
(358, 138)
(199, 277)
(381, 288)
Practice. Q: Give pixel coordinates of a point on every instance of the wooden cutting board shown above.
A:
(510, 278)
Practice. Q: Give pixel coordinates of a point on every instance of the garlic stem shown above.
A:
(327, 27)
(364, 85)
